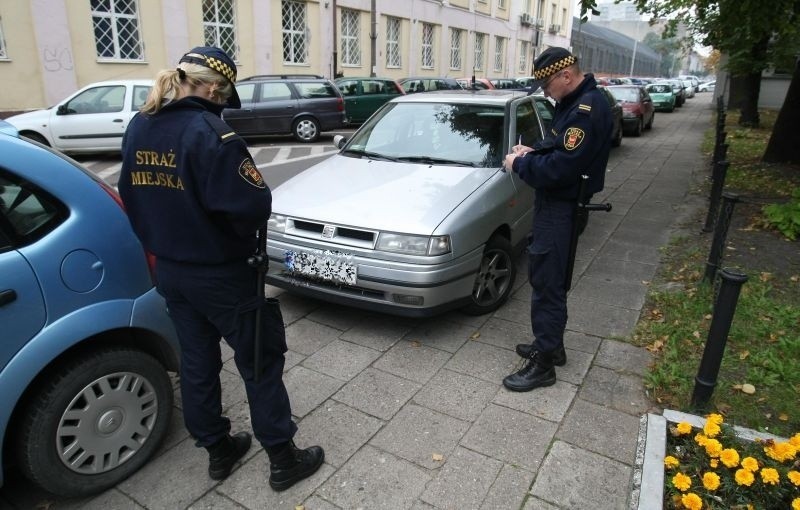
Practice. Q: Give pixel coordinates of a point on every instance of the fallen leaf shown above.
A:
(737, 386)
(415, 343)
(768, 415)
(783, 417)
(765, 277)
(696, 334)
(795, 278)
(748, 389)
(299, 507)
(655, 346)
(707, 316)
(744, 354)
(475, 335)
(437, 457)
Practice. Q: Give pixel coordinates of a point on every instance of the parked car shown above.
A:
(426, 84)
(87, 341)
(362, 96)
(662, 95)
(504, 83)
(616, 113)
(301, 105)
(93, 119)
(707, 86)
(480, 84)
(690, 90)
(637, 107)
(414, 215)
(678, 88)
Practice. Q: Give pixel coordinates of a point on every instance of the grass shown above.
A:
(763, 346)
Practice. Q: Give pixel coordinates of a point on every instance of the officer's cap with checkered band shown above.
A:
(551, 61)
(218, 60)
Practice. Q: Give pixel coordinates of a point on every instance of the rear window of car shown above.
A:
(27, 213)
(626, 94)
(315, 90)
(659, 88)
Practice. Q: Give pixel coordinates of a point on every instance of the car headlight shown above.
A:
(277, 223)
(413, 245)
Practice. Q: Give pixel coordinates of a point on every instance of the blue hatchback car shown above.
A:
(86, 341)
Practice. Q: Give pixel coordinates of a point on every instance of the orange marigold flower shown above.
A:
(796, 504)
(683, 428)
(770, 476)
(744, 477)
(713, 463)
(729, 457)
(750, 464)
(692, 501)
(683, 482)
(711, 481)
(711, 429)
(671, 462)
(715, 418)
(794, 477)
(700, 439)
(781, 452)
(713, 447)
(795, 440)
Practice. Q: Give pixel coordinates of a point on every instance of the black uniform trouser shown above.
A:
(207, 302)
(548, 256)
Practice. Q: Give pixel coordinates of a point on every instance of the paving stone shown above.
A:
(308, 389)
(626, 294)
(457, 395)
(342, 360)
(511, 436)
(317, 503)
(463, 482)
(294, 306)
(534, 503)
(621, 270)
(509, 489)
(579, 341)
(421, 505)
(292, 358)
(571, 477)
(374, 479)
(635, 252)
(413, 360)
(213, 501)
(307, 337)
(484, 361)
(550, 403)
(379, 331)
(623, 392)
(377, 393)
(600, 319)
(517, 309)
(111, 498)
(441, 334)
(417, 434)
(459, 317)
(623, 357)
(612, 433)
(578, 364)
(335, 316)
(339, 429)
(504, 333)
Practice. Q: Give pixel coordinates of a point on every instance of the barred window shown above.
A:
(219, 26)
(351, 47)
(499, 52)
(455, 48)
(393, 43)
(427, 46)
(116, 29)
(501, 4)
(523, 57)
(295, 35)
(479, 52)
(3, 53)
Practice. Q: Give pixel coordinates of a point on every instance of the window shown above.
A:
(3, 53)
(246, 92)
(313, 90)
(479, 53)
(553, 14)
(293, 27)
(455, 48)
(219, 22)
(351, 49)
(501, 4)
(499, 52)
(393, 43)
(275, 92)
(140, 93)
(523, 57)
(527, 125)
(116, 29)
(427, 46)
(105, 99)
(26, 212)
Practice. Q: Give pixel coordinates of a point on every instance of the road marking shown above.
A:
(316, 152)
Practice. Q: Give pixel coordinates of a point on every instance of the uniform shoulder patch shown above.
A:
(250, 174)
(573, 137)
(223, 130)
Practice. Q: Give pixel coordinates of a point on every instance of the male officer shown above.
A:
(578, 143)
(195, 200)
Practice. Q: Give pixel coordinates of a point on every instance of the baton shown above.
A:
(260, 262)
(573, 241)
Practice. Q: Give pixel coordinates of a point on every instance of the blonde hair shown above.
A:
(169, 86)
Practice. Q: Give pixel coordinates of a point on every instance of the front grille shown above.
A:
(332, 233)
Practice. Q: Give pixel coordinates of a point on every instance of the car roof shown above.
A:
(492, 97)
(407, 78)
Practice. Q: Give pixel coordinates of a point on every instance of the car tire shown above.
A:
(637, 131)
(495, 277)
(306, 129)
(36, 137)
(649, 125)
(106, 413)
(617, 140)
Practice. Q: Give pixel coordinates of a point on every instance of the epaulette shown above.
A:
(585, 104)
(226, 134)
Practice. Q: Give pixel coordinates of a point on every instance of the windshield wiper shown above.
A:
(436, 161)
(369, 155)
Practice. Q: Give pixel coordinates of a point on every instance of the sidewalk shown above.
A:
(412, 413)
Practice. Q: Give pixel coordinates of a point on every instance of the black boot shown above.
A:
(225, 453)
(289, 464)
(559, 355)
(538, 371)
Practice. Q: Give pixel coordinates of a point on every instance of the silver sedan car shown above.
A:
(414, 215)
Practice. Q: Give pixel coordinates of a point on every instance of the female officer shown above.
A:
(195, 200)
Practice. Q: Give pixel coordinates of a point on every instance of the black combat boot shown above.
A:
(225, 453)
(289, 464)
(559, 355)
(538, 371)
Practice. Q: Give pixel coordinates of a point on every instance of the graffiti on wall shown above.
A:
(55, 59)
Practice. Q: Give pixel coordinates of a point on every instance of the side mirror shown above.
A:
(62, 109)
(339, 141)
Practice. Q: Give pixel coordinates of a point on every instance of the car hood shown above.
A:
(26, 119)
(379, 195)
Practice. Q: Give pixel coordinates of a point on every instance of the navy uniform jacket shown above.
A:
(189, 184)
(578, 143)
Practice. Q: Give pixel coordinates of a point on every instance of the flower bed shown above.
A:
(687, 461)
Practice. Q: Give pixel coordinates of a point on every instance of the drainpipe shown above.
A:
(373, 41)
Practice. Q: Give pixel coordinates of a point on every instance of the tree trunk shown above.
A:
(749, 105)
(784, 142)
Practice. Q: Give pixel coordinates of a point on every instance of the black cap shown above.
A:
(551, 61)
(218, 60)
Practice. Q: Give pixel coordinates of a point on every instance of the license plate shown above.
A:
(327, 265)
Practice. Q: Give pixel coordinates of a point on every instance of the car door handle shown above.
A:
(117, 120)
(7, 296)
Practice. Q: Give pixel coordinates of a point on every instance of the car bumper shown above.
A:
(410, 288)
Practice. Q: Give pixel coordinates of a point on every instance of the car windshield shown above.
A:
(433, 133)
(660, 89)
(627, 95)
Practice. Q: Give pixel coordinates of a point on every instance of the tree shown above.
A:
(667, 48)
(785, 137)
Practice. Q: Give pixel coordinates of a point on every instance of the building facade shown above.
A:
(50, 48)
